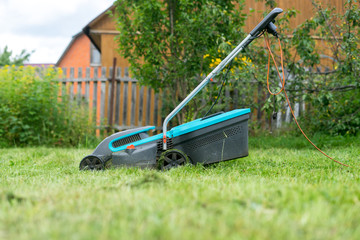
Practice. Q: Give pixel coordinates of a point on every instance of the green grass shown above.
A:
(283, 190)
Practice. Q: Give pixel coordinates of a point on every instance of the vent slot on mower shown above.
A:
(127, 140)
(203, 141)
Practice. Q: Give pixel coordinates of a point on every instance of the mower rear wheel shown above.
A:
(172, 158)
(92, 163)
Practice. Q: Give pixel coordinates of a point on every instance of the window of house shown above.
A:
(95, 56)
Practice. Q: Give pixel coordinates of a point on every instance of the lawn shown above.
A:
(283, 190)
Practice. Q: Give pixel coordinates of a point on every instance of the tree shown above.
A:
(7, 59)
(165, 42)
(334, 93)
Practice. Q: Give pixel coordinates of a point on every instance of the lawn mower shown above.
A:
(218, 137)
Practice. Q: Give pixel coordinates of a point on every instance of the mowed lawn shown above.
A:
(283, 190)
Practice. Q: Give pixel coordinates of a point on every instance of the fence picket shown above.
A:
(91, 100)
(152, 106)
(137, 107)
(144, 107)
(98, 107)
(121, 104)
(128, 104)
(159, 104)
(106, 112)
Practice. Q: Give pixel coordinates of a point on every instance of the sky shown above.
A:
(45, 26)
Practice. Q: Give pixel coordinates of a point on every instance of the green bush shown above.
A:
(31, 113)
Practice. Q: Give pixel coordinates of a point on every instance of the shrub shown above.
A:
(31, 113)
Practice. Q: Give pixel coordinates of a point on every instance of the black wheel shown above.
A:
(172, 158)
(92, 163)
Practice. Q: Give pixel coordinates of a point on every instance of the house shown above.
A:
(97, 37)
(102, 32)
(80, 53)
(94, 46)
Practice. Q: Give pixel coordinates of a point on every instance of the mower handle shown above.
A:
(264, 23)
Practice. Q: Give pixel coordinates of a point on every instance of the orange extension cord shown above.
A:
(282, 80)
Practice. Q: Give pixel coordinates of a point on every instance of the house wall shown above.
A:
(109, 51)
(304, 7)
(78, 55)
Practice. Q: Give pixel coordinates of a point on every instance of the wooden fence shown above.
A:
(132, 105)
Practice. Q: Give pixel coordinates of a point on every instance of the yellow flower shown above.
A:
(206, 55)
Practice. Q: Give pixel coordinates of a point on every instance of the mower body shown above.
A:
(215, 138)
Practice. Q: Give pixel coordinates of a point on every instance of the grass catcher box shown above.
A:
(218, 137)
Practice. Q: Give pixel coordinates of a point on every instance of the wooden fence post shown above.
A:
(112, 94)
(91, 96)
(98, 105)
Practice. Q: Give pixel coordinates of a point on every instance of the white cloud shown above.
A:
(47, 49)
(45, 26)
(27, 12)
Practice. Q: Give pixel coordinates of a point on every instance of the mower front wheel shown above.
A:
(92, 163)
(172, 158)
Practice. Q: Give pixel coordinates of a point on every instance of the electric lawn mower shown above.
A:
(218, 137)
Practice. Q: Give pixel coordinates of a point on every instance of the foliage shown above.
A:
(165, 42)
(7, 59)
(32, 114)
(333, 91)
(322, 69)
(277, 192)
(177, 43)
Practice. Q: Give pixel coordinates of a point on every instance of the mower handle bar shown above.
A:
(265, 22)
(250, 37)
